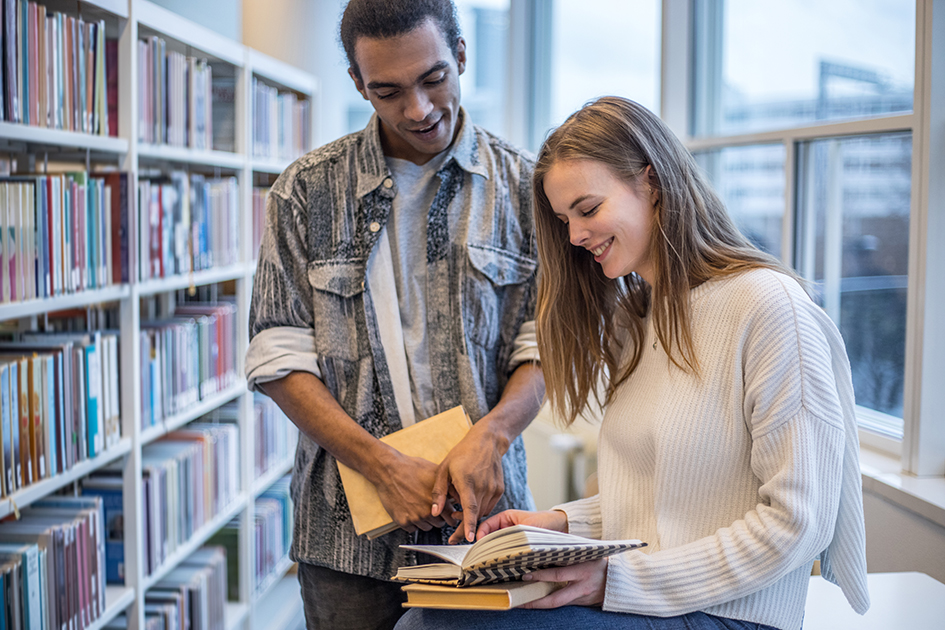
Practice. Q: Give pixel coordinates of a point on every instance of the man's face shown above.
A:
(412, 81)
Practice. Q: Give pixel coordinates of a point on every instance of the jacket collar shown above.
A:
(465, 151)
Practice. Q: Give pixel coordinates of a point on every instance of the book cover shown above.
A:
(111, 491)
(508, 554)
(28, 555)
(430, 439)
(502, 596)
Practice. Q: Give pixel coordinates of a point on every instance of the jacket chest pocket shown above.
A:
(493, 277)
(338, 307)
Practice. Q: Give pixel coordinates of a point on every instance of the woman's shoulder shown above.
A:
(755, 287)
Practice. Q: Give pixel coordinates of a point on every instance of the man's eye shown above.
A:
(387, 95)
(436, 81)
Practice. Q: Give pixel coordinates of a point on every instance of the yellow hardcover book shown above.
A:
(37, 415)
(430, 439)
(502, 596)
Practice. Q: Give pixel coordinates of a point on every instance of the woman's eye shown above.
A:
(591, 211)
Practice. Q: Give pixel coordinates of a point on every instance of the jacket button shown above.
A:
(375, 226)
(388, 183)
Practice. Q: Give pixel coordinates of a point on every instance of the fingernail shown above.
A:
(527, 577)
(435, 510)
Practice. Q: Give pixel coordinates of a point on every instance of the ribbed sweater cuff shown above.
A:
(583, 516)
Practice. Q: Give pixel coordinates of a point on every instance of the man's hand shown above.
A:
(586, 585)
(404, 490)
(474, 470)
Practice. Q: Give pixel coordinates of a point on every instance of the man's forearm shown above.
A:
(520, 402)
(308, 403)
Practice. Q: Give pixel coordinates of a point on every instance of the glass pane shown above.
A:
(592, 57)
(771, 65)
(750, 181)
(485, 27)
(853, 241)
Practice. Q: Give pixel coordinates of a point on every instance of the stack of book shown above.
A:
(186, 358)
(59, 403)
(273, 528)
(57, 70)
(188, 478)
(193, 595)
(52, 564)
(186, 223)
(281, 125)
(175, 104)
(62, 233)
(276, 435)
(487, 574)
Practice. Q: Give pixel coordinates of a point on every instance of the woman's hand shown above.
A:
(586, 584)
(548, 519)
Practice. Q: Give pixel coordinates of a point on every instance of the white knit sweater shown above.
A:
(737, 478)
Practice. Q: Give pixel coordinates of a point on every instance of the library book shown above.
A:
(508, 554)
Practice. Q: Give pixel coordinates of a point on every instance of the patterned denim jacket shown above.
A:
(324, 217)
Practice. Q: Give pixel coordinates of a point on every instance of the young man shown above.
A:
(396, 280)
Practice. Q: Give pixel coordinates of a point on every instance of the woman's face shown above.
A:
(604, 214)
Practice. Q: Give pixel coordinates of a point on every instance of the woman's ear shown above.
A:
(652, 184)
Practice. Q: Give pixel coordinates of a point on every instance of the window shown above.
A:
(750, 181)
(836, 99)
(769, 65)
(484, 85)
(602, 47)
(853, 242)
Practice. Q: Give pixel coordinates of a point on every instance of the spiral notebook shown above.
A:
(508, 554)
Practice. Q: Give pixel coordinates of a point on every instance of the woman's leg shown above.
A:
(567, 618)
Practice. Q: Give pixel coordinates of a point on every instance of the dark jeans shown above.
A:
(340, 601)
(566, 618)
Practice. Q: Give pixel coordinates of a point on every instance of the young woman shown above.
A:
(728, 441)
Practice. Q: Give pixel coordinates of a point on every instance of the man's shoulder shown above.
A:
(501, 147)
(337, 156)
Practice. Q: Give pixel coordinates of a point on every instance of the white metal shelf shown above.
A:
(266, 165)
(118, 8)
(193, 157)
(80, 299)
(117, 599)
(273, 579)
(196, 279)
(282, 608)
(276, 472)
(279, 73)
(174, 27)
(35, 491)
(30, 134)
(234, 615)
(196, 541)
(200, 408)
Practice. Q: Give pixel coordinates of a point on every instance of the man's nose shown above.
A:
(418, 106)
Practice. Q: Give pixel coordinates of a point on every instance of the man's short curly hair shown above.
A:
(381, 19)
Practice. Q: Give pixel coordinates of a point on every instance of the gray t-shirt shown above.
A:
(407, 234)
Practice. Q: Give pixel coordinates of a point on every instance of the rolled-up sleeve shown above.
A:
(281, 321)
(525, 346)
(275, 352)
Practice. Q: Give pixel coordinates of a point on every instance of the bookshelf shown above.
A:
(289, 104)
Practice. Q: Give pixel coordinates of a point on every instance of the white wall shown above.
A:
(222, 16)
(898, 539)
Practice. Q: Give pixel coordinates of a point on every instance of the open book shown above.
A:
(501, 596)
(508, 554)
(432, 439)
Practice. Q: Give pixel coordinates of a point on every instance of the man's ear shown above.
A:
(358, 83)
(460, 55)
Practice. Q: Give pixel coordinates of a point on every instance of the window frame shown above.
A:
(922, 449)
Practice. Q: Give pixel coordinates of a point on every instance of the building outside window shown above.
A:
(836, 206)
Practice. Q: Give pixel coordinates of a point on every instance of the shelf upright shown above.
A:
(284, 78)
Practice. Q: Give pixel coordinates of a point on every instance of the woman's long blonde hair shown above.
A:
(692, 240)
